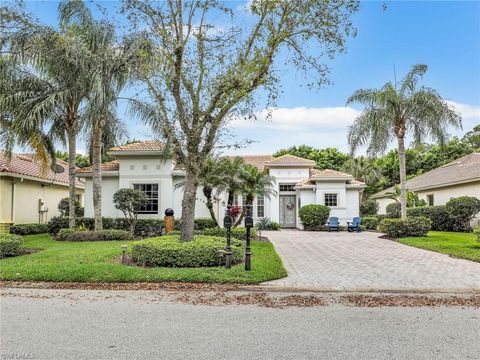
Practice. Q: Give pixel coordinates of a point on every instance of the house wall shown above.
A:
(109, 186)
(441, 196)
(27, 194)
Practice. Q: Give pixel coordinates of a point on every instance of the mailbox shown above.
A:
(248, 222)
(227, 221)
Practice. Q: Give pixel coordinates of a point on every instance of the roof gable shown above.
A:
(141, 147)
(108, 166)
(290, 160)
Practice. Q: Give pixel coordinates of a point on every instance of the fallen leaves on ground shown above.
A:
(409, 300)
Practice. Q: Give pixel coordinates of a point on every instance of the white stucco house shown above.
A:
(143, 166)
(460, 177)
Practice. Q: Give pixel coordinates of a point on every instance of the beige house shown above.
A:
(460, 177)
(30, 194)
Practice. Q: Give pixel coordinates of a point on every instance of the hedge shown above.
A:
(238, 233)
(169, 251)
(314, 217)
(89, 235)
(10, 245)
(370, 222)
(411, 226)
(393, 210)
(28, 229)
(441, 219)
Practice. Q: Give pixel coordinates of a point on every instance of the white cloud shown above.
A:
(468, 112)
(301, 117)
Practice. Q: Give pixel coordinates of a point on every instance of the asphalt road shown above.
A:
(80, 324)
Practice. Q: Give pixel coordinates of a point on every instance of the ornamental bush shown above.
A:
(89, 235)
(368, 207)
(462, 210)
(204, 223)
(10, 245)
(393, 210)
(314, 217)
(28, 229)
(169, 251)
(370, 222)
(411, 226)
(441, 219)
(265, 223)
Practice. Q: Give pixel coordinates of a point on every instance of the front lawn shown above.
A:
(92, 262)
(459, 245)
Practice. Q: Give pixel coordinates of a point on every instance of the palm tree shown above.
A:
(231, 174)
(254, 182)
(395, 111)
(363, 169)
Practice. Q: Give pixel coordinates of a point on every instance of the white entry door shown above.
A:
(287, 211)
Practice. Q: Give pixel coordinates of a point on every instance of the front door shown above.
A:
(287, 211)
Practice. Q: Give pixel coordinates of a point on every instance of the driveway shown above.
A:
(363, 261)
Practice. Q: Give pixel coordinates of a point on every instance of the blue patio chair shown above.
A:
(354, 225)
(333, 224)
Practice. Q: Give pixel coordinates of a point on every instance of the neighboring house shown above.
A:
(30, 194)
(143, 166)
(460, 177)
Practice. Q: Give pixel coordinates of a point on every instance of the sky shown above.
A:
(445, 35)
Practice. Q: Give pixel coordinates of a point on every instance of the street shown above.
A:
(98, 324)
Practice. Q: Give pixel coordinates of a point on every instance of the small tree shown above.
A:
(128, 201)
(64, 207)
(462, 210)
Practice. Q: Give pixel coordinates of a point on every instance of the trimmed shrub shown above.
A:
(169, 251)
(204, 223)
(462, 210)
(411, 226)
(89, 235)
(394, 210)
(368, 207)
(28, 229)
(314, 217)
(10, 245)
(370, 222)
(237, 233)
(64, 208)
(441, 219)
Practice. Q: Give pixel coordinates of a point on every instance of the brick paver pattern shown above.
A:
(363, 261)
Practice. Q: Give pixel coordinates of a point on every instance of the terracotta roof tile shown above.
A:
(29, 165)
(108, 166)
(258, 161)
(328, 174)
(142, 146)
(290, 160)
(464, 169)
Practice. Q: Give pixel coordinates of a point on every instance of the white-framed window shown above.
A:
(430, 200)
(331, 199)
(235, 199)
(260, 206)
(151, 190)
(286, 187)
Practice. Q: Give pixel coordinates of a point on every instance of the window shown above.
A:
(235, 199)
(260, 206)
(287, 187)
(331, 200)
(430, 200)
(151, 190)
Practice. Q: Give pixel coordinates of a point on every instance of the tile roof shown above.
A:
(141, 146)
(29, 165)
(464, 169)
(108, 166)
(328, 174)
(258, 161)
(290, 160)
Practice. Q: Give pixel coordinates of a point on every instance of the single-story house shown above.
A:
(29, 193)
(143, 166)
(460, 177)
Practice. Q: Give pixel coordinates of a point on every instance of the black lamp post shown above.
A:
(228, 223)
(248, 226)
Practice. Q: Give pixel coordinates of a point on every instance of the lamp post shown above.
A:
(124, 250)
(248, 226)
(227, 223)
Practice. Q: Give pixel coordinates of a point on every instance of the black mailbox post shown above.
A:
(248, 226)
(228, 223)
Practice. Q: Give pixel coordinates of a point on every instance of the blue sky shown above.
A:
(445, 35)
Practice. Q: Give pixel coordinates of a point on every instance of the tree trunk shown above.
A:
(249, 201)
(403, 175)
(207, 191)
(97, 175)
(72, 169)
(188, 206)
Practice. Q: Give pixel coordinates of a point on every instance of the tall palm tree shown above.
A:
(254, 182)
(398, 110)
(364, 169)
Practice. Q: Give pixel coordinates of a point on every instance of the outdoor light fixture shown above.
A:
(124, 250)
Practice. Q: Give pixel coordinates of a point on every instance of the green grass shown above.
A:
(92, 262)
(459, 245)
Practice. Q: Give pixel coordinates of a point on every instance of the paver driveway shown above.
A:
(363, 261)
